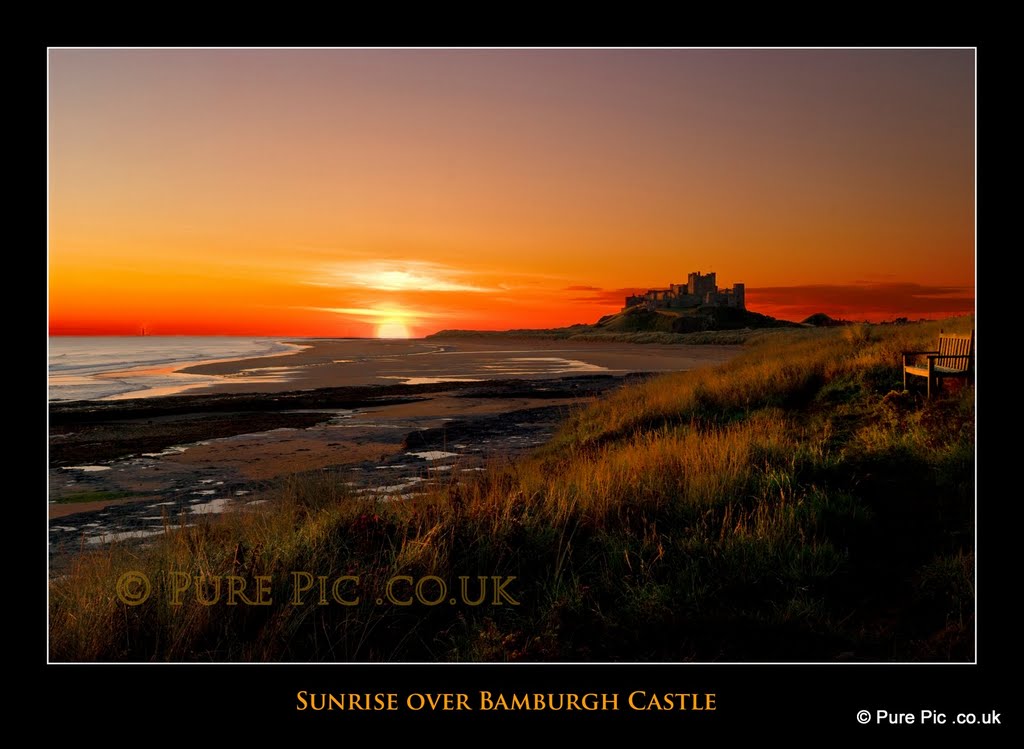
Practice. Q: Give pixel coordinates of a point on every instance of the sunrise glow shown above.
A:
(393, 193)
(393, 330)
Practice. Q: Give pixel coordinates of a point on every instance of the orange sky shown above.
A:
(396, 192)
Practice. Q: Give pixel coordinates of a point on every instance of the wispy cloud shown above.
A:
(865, 299)
(377, 313)
(386, 275)
(603, 296)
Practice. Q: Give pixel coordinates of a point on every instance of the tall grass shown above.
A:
(791, 504)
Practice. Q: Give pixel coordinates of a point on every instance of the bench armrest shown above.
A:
(909, 356)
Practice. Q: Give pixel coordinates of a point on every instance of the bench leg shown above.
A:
(904, 378)
(929, 387)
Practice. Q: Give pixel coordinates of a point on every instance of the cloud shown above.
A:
(390, 313)
(864, 300)
(413, 275)
(606, 297)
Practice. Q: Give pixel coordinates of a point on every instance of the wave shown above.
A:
(88, 368)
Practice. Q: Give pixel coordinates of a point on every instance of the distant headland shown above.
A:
(694, 312)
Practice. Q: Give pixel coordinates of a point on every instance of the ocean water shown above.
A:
(109, 367)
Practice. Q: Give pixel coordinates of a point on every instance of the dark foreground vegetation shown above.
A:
(790, 505)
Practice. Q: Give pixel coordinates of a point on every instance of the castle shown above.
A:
(698, 289)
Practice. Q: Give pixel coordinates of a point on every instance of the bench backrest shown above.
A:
(952, 344)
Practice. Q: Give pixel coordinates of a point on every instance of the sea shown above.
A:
(113, 367)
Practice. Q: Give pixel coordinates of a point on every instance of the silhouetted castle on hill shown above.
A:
(699, 289)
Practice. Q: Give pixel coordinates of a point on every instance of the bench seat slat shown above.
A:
(940, 371)
(952, 358)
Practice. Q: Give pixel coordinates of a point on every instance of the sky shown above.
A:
(395, 193)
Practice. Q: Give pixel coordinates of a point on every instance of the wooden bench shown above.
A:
(952, 358)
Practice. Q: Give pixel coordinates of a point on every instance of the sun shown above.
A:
(393, 329)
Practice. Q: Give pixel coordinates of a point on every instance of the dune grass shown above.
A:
(792, 504)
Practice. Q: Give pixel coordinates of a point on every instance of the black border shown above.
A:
(193, 702)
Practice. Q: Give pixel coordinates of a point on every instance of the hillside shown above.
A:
(821, 320)
(638, 319)
(726, 325)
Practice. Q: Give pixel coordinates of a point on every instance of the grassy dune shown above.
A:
(791, 504)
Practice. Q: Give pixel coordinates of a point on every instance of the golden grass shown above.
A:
(744, 494)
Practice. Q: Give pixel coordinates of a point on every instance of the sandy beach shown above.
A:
(338, 363)
(388, 417)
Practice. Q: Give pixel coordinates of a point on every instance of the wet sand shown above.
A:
(340, 363)
(74, 508)
(224, 447)
(384, 447)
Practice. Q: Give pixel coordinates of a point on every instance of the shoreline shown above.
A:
(384, 362)
(166, 376)
(254, 412)
(119, 468)
(316, 363)
(126, 470)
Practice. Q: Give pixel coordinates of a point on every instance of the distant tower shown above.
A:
(700, 285)
(739, 291)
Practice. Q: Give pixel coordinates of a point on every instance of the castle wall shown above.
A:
(699, 289)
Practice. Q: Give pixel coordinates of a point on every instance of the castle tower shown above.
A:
(700, 285)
